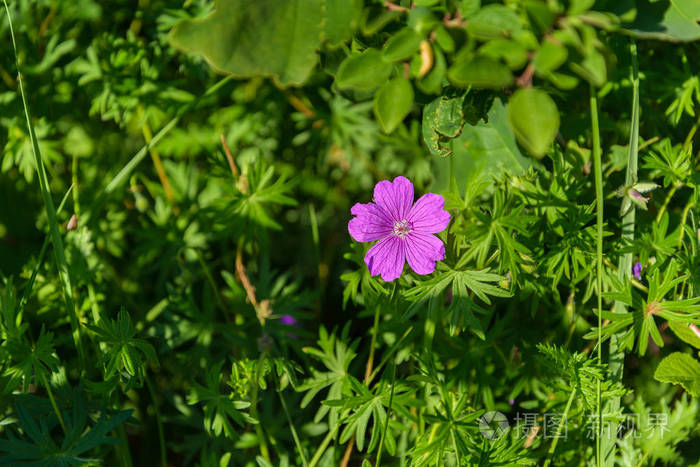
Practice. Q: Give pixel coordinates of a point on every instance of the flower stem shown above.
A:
(297, 442)
(159, 421)
(599, 246)
(553, 447)
(53, 402)
(616, 357)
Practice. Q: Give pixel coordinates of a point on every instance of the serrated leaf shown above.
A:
(680, 368)
(685, 333)
(675, 20)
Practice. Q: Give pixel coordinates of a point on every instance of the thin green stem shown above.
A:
(264, 451)
(28, 289)
(671, 192)
(59, 253)
(159, 422)
(324, 444)
(597, 167)
(553, 447)
(388, 416)
(616, 358)
(297, 442)
(370, 359)
(53, 402)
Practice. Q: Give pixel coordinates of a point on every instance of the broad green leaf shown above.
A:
(269, 38)
(341, 19)
(540, 15)
(511, 52)
(422, 20)
(482, 150)
(680, 368)
(534, 118)
(364, 71)
(493, 22)
(685, 333)
(577, 7)
(480, 72)
(443, 118)
(401, 45)
(392, 103)
(563, 81)
(549, 57)
(592, 68)
(675, 20)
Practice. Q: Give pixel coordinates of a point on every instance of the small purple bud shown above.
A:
(695, 330)
(288, 320)
(511, 401)
(636, 194)
(637, 270)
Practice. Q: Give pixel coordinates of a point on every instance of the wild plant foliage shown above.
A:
(349, 232)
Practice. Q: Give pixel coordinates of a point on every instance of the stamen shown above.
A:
(401, 228)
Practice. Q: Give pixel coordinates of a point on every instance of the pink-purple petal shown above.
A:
(395, 197)
(387, 257)
(428, 215)
(371, 223)
(422, 250)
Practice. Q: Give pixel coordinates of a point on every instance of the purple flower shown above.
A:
(404, 230)
(637, 270)
(288, 320)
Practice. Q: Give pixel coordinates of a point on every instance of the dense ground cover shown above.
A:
(329, 232)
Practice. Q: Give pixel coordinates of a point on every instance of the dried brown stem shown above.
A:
(229, 157)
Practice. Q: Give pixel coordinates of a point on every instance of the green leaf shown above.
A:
(493, 22)
(364, 71)
(392, 103)
(675, 20)
(262, 38)
(480, 72)
(482, 151)
(549, 57)
(432, 82)
(685, 333)
(510, 51)
(442, 118)
(534, 118)
(680, 368)
(401, 45)
(341, 19)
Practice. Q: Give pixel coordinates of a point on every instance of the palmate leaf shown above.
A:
(466, 286)
(40, 449)
(219, 409)
(372, 406)
(126, 354)
(336, 356)
(30, 360)
(454, 424)
(640, 324)
(263, 195)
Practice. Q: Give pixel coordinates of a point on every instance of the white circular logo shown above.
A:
(493, 424)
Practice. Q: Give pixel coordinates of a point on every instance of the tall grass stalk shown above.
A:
(59, 253)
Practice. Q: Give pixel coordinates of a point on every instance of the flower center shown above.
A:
(401, 228)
